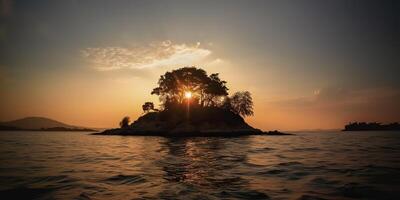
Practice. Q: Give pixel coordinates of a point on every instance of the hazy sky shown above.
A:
(309, 64)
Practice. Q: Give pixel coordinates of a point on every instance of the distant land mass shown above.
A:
(372, 126)
(39, 124)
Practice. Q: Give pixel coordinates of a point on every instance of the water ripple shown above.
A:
(125, 179)
(309, 166)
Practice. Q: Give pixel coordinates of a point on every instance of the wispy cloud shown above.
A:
(153, 55)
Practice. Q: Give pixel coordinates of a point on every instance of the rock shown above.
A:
(207, 122)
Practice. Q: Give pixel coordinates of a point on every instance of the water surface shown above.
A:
(69, 165)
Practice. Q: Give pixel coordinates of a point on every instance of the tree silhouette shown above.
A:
(206, 90)
(241, 103)
(214, 91)
(147, 106)
(124, 122)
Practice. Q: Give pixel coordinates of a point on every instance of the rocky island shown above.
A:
(192, 104)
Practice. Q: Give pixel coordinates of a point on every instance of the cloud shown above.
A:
(153, 55)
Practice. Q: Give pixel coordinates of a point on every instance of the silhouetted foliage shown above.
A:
(227, 104)
(241, 103)
(124, 122)
(147, 106)
(215, 91)
(206, 90)
(373, 126)
(209, 99)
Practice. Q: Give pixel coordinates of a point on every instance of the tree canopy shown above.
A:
(124, 122)
(242, 103)
(147, 107)
(205, 91)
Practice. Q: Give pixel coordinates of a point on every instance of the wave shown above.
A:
(125, 179)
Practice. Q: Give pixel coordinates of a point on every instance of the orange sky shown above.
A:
(307, 66)
(101, 100)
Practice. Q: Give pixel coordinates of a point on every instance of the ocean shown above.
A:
(76, 165)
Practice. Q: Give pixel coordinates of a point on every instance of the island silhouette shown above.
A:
(371, 126)
(193, 103)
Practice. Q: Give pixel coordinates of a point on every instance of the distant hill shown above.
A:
(38, 123)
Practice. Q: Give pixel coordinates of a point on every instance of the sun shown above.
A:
(188, 95)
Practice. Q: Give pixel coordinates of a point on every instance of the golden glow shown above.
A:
(188, 95)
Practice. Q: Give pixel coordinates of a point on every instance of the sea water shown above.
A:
(74, 165)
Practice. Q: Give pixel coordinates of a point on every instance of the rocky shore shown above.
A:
(207, 122)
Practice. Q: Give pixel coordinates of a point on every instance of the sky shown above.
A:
(309, 64)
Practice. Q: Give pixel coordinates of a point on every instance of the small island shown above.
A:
(373, 126)
(192, 104)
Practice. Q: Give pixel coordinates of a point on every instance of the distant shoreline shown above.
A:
(372, 126)
(41, 124)
(59, 129)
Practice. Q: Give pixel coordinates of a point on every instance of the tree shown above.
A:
(227, 104)
(241, 103)
(206, 89)
(215, 91)
(147, 106)
(124, 122)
